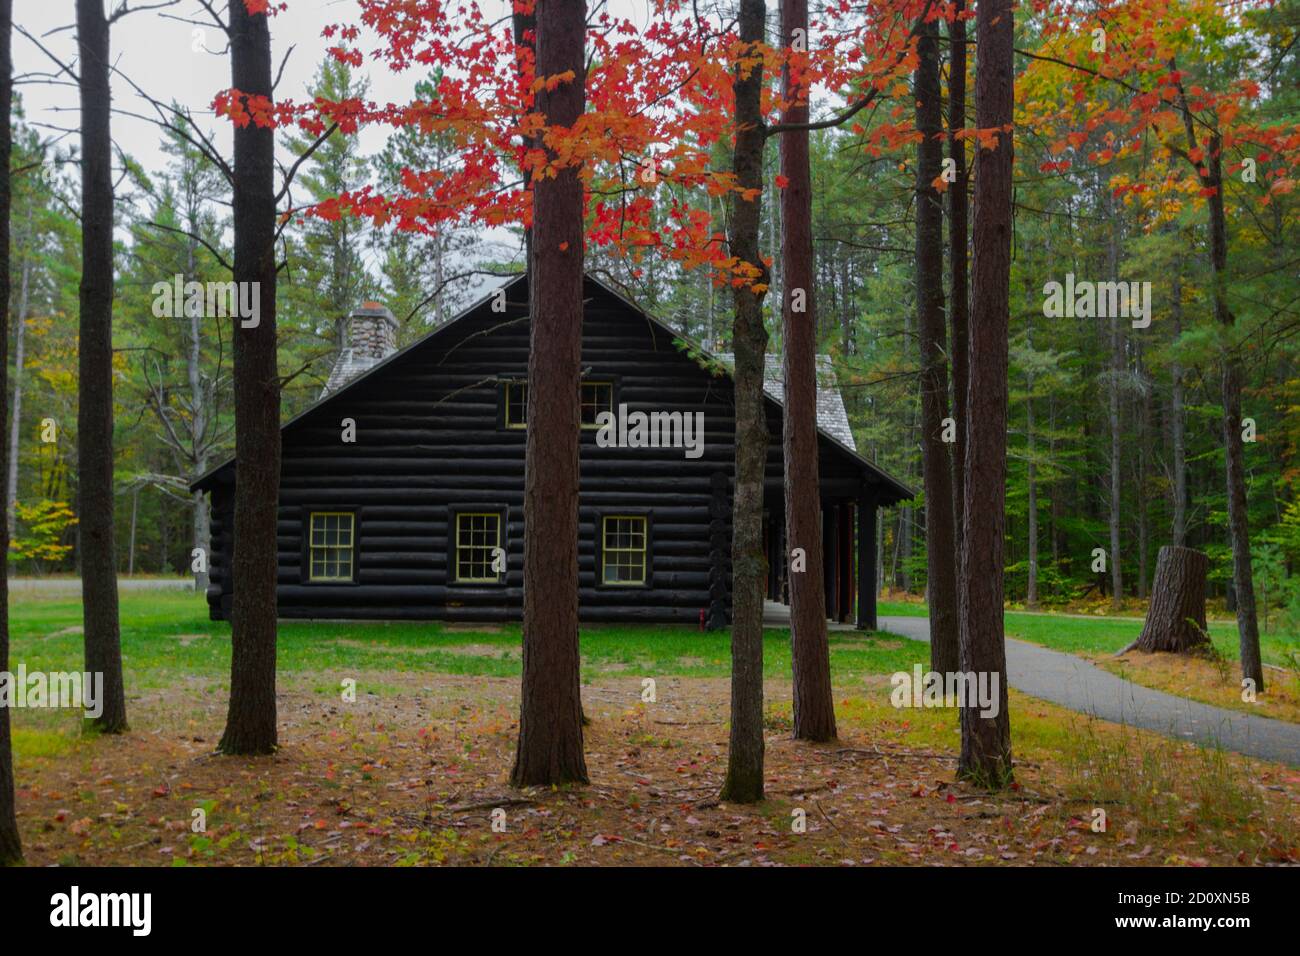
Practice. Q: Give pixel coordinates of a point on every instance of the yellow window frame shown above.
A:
(331, 554)
(459, 562)
(594, 403)
(641, 552)
(586, 388)
(510, 388)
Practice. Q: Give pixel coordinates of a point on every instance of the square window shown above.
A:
(595, 397)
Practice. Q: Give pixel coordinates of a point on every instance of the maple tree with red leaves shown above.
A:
(658, 102)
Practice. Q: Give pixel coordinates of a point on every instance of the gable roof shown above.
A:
(832, 417)
(835, 426)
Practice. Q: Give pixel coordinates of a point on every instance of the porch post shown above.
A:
(830, 556)
(845, 607)
(866, 562)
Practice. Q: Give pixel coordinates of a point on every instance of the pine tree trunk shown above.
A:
(958, 242)
(95, 498)
(11, 849)
(1252, 667)
(549, 750)
(1031, 534)
(198, 423)
(986, 741)
(814, 703)
(1116, 437)
(251, 717)
(130, 548)
(846, 306)
(1179, 531)
(1176, 618)
(1144, 468)
(744, 780)
(20, 359)
(941, 571)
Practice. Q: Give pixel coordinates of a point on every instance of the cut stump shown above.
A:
(1176, 618)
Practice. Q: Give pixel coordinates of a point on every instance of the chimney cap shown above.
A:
(374, 310)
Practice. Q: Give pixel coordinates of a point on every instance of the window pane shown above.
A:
(595, 397)
(477, 536)
(516, 404)
(624, 551)
(330, 542)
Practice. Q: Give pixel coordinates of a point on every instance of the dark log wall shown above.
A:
(429, 438)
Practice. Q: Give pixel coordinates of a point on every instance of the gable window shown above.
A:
(516, 411)
(594, 397)
(331, 546)
(624, 550)
(477, 543)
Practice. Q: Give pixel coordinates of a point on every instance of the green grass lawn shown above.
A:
(1106, 635)
(1086, 635)
(166, 635)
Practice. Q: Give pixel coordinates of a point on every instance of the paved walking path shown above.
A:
(1075, 683)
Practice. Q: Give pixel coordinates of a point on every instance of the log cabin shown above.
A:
(402, 486)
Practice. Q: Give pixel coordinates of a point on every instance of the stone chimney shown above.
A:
(368, 335)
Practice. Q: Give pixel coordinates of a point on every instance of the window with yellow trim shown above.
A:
(331, 546)
(594, 398)
(623, 550)
(478, 536)
(516, 405)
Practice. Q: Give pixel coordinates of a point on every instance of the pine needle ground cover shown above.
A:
(413, 770)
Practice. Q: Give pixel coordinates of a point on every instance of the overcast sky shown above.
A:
(169, 60)
(168, 57)
(172, 58)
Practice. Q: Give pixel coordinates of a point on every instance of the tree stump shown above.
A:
(1176, 617)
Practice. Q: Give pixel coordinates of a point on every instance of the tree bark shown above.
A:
(130, 548)
(744, 780)
(1116, 436)
(549, 750)
(1252, 666)
(1176, 618)
(1031, 534)
(251, 717)
(524, 26)
(20, 358)
(200, 516)
(1144, 469)
(936, 466)
(95, 370)
(1241, 596)
(11, 849)
(1177, 425)
(986, 741)
(959, 301)
(814, 703)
